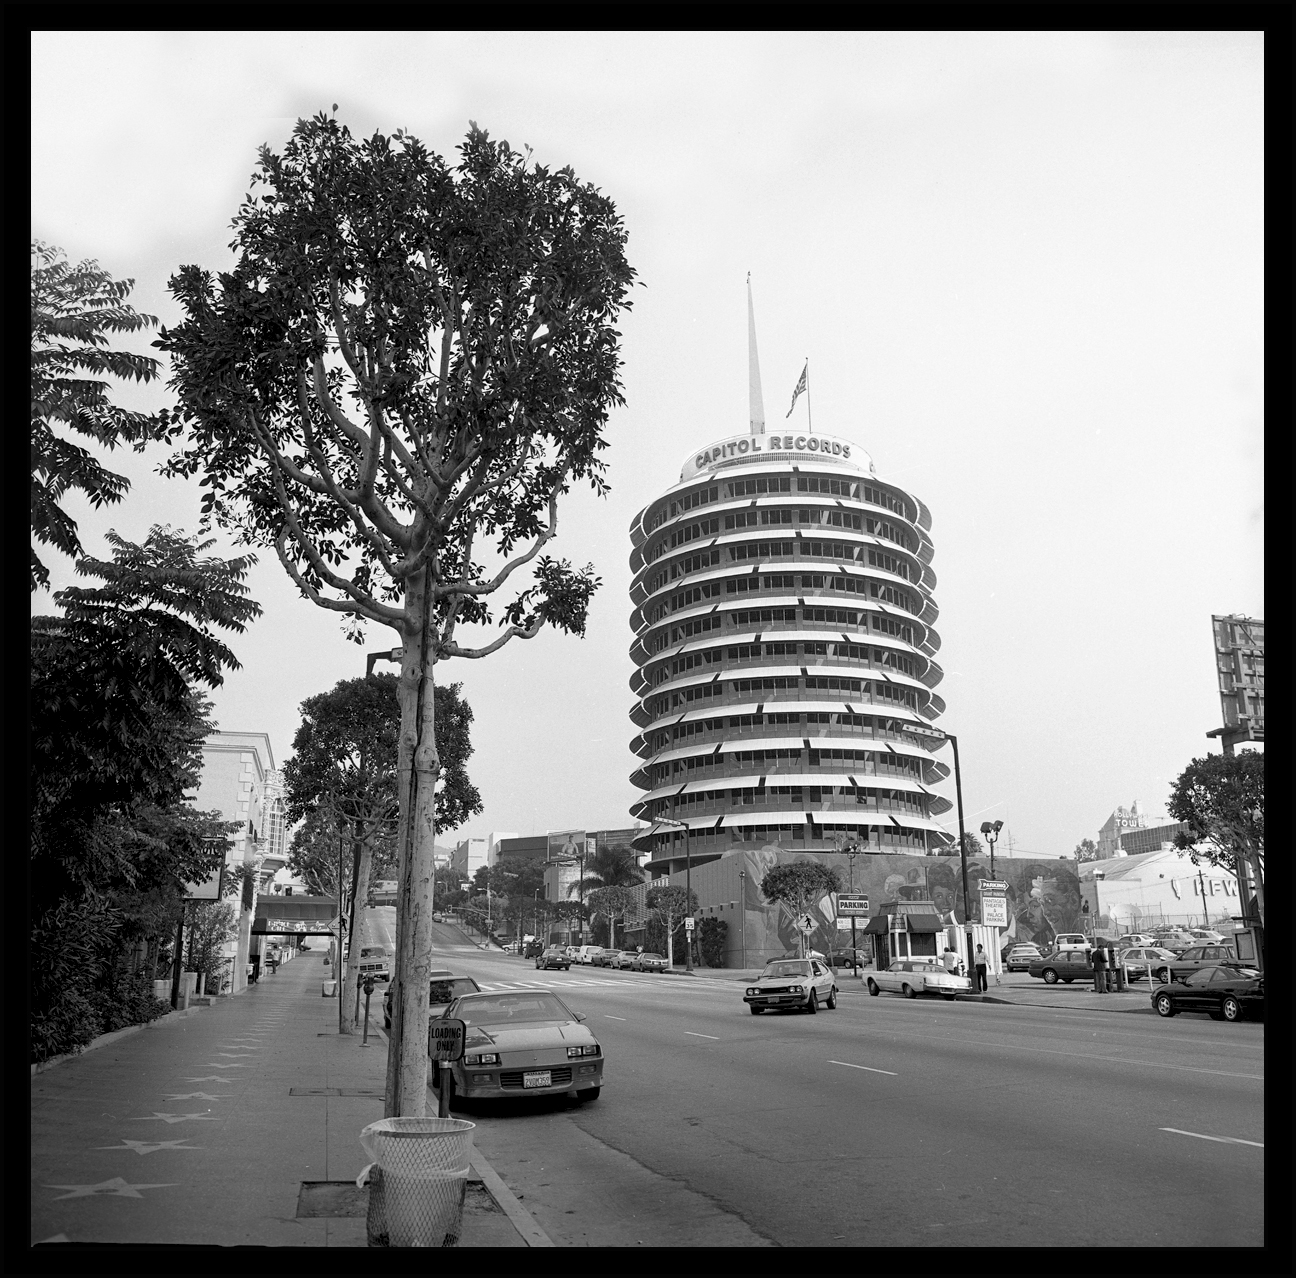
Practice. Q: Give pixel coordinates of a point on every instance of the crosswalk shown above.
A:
(608, 986)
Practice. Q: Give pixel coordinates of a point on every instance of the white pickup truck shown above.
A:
(375, 962)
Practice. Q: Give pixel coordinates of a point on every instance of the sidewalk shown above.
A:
(202, 1128)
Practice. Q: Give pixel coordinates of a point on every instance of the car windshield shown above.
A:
(494, 1009)
(650, 955)
(787, 967)
(444, 991)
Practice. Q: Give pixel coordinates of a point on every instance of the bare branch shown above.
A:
(513, 632)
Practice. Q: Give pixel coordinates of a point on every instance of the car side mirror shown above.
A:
(580, 1016)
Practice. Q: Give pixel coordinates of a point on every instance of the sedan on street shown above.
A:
(649, 962)
(1020, 957)
(521, 1043)
(912, 977)
(622, 959)
(1196, 957)
(792, 984)
(442, 987)
(554, 956)
(1223, 993)
(1142, 959)
(1063, 965)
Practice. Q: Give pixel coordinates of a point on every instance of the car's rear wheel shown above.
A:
(756, 1011)
(873, 987)
(1163, 976)
(1231, 1009)
(1164, 1005)
(1050, 976)
(812, 1003)
(831, 1000)
(908, 991)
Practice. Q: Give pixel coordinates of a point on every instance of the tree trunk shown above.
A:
(417, 768)
(359, 894)
(670, 941)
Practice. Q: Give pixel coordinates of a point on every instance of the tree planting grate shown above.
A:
(334, 1198)
(336, 1091)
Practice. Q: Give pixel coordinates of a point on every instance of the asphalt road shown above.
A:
(886, 1122)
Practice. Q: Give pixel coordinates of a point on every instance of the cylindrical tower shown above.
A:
(785, 642)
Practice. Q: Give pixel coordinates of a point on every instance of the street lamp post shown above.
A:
(742, 916)
(991, 831)
(688, 887)
(850, 849)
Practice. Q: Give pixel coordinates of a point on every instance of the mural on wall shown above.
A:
(1043, 896)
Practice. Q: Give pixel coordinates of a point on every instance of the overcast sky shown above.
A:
(1026, 270)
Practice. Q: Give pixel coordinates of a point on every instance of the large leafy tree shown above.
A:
(73, 310)
(613, 902)
(345, 760)
(408, 366)
(670, 903)
(1086, 850)
(799, 883)
(117, 720)
(1221, 798)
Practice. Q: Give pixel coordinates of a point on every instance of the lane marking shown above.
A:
(1084, 1056)
(691, 1034)
(1223, 1140)
(608, 1017)
(870, 1069)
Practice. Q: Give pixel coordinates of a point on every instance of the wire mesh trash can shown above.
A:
(417, 1181)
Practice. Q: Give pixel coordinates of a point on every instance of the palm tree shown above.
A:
(611, 866)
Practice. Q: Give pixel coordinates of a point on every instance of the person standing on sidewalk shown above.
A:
(1100, 970)
(950, 959)
(981, 961)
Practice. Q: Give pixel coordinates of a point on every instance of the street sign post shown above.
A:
(805, 924)
(852, 905)
(446, 1044)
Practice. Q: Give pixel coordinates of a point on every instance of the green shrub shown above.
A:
(712, 941)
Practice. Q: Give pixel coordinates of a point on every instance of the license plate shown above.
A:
(537, 1078)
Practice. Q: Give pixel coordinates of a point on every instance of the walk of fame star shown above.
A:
(150, 1147)
(176, 1118)
(115, 1188)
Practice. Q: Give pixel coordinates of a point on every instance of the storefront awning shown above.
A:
(878, 925)
(924, 922)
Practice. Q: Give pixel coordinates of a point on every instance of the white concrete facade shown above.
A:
(236, 766)
(785, 645)
(1163, 888)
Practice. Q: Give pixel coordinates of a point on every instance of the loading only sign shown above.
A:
(446, 1039)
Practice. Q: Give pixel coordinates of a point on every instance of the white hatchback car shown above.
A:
(912, 977)
(800, 984)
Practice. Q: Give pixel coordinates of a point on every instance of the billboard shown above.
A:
(1239, 670)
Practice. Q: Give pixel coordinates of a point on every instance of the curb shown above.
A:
(39, 1067)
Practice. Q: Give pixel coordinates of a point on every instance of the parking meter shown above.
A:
(368, 982)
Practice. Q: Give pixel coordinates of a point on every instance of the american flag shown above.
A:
(800, 387)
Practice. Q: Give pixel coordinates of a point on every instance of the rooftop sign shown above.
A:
(799, 446)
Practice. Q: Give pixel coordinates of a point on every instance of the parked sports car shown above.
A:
(1223, 993)
(912, 977)
(800, 984)
(523, 1042)
(442, 987)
